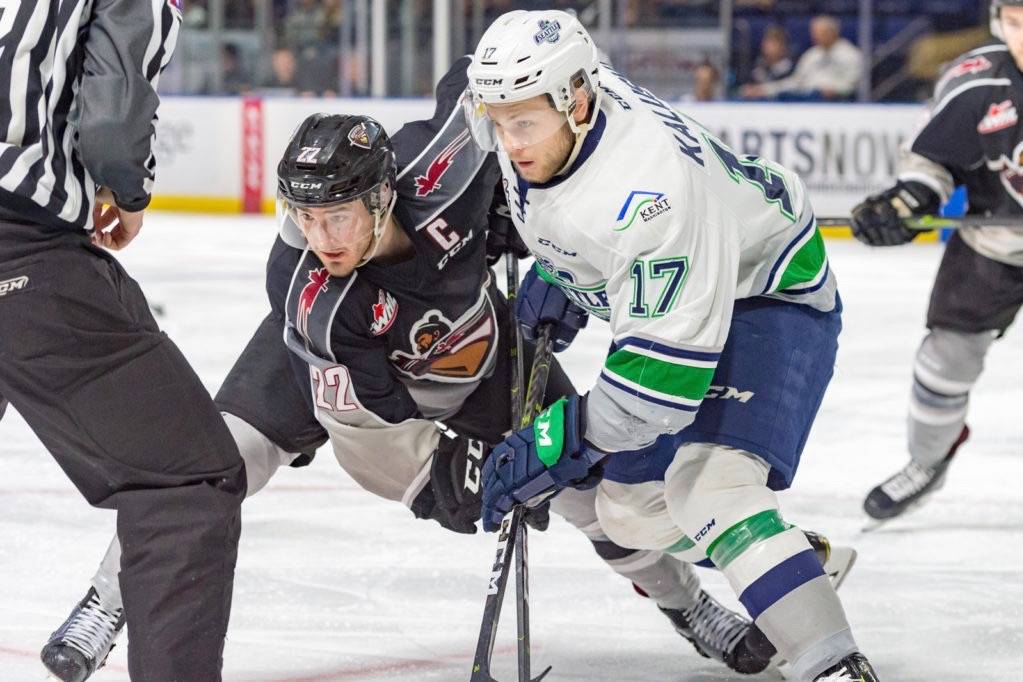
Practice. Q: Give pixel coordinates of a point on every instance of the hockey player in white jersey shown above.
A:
(724, 313)
(973, 137)
(379, 340)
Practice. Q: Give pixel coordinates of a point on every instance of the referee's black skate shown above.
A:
(80, 646)
(911, 486)
(852, 667)
(718, 633)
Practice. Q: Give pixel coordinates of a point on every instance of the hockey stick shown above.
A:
(936, 222)
(520, 530)
(513, 530)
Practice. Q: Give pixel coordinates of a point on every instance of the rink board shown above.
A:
(220, 154)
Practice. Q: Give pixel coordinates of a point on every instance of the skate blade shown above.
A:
(839, 563)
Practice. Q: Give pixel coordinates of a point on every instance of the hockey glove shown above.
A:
(502, 237)
(452, 495)
(878, 219)
(539, 461)
(540, 302)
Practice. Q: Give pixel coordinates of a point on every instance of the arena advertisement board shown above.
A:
(843, 152)
(209, 148)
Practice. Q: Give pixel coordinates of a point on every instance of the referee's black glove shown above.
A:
(878, 220)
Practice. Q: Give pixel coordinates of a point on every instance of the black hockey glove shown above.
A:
(878, 219)
(502, 237)
(452, 495)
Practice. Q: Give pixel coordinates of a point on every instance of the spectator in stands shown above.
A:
(706, 83)
(773, 63)
(302, 77)
(831, 69)
(304, 26)
(237, 80)
(282, 67)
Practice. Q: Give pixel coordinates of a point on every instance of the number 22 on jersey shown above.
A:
(332, 388)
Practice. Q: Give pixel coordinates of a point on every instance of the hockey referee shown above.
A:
(81, 357)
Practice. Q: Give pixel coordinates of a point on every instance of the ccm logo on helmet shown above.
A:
(489, 81)
(306, 185)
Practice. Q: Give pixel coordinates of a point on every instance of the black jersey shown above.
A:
(974, 137)
(412, 339)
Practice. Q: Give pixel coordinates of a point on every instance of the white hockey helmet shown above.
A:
(996, 15)
(525, 54)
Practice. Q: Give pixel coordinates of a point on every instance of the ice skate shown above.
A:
(852, 667)
(837, 560)
(909, 488)
(81, 644)
(717, 633)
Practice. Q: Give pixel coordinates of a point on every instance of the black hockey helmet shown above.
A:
(336, 158)
(996, 15)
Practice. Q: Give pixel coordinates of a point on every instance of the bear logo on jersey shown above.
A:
(317, 284)
(425, 335)
(1011, 173)
(450, 351)
(385, 310)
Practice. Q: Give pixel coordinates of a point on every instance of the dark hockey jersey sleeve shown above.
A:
(949, 137)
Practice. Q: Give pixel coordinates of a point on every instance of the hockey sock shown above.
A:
(946, 367)
(106, 581)
(718, 496)
(671, 583)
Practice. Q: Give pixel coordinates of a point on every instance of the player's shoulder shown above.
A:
(974, 74)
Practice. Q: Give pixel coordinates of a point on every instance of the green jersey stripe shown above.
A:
(806, 264)
(669, 378)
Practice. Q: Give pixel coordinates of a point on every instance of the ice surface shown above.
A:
(334, 584)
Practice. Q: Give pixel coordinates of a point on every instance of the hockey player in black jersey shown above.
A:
(391, 322)
(974, 138)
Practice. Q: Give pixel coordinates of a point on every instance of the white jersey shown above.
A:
(658, 227)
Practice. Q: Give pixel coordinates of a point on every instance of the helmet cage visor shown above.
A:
(334, 226)
(512, 126)
(509, 125)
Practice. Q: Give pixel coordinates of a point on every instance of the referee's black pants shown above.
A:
(118, 406)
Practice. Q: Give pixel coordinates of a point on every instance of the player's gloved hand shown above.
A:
(878, 220)
(452, 495)
(502, 237)
(540, 302)
(539, 461)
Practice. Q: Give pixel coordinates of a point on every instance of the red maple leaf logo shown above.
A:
(317, 283)
(972, 65)
(426, 184)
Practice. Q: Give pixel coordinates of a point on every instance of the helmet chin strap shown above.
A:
(580, 135)
(380, 220)
(580, 130)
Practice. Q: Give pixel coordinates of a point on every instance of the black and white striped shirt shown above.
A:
(78, 103)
